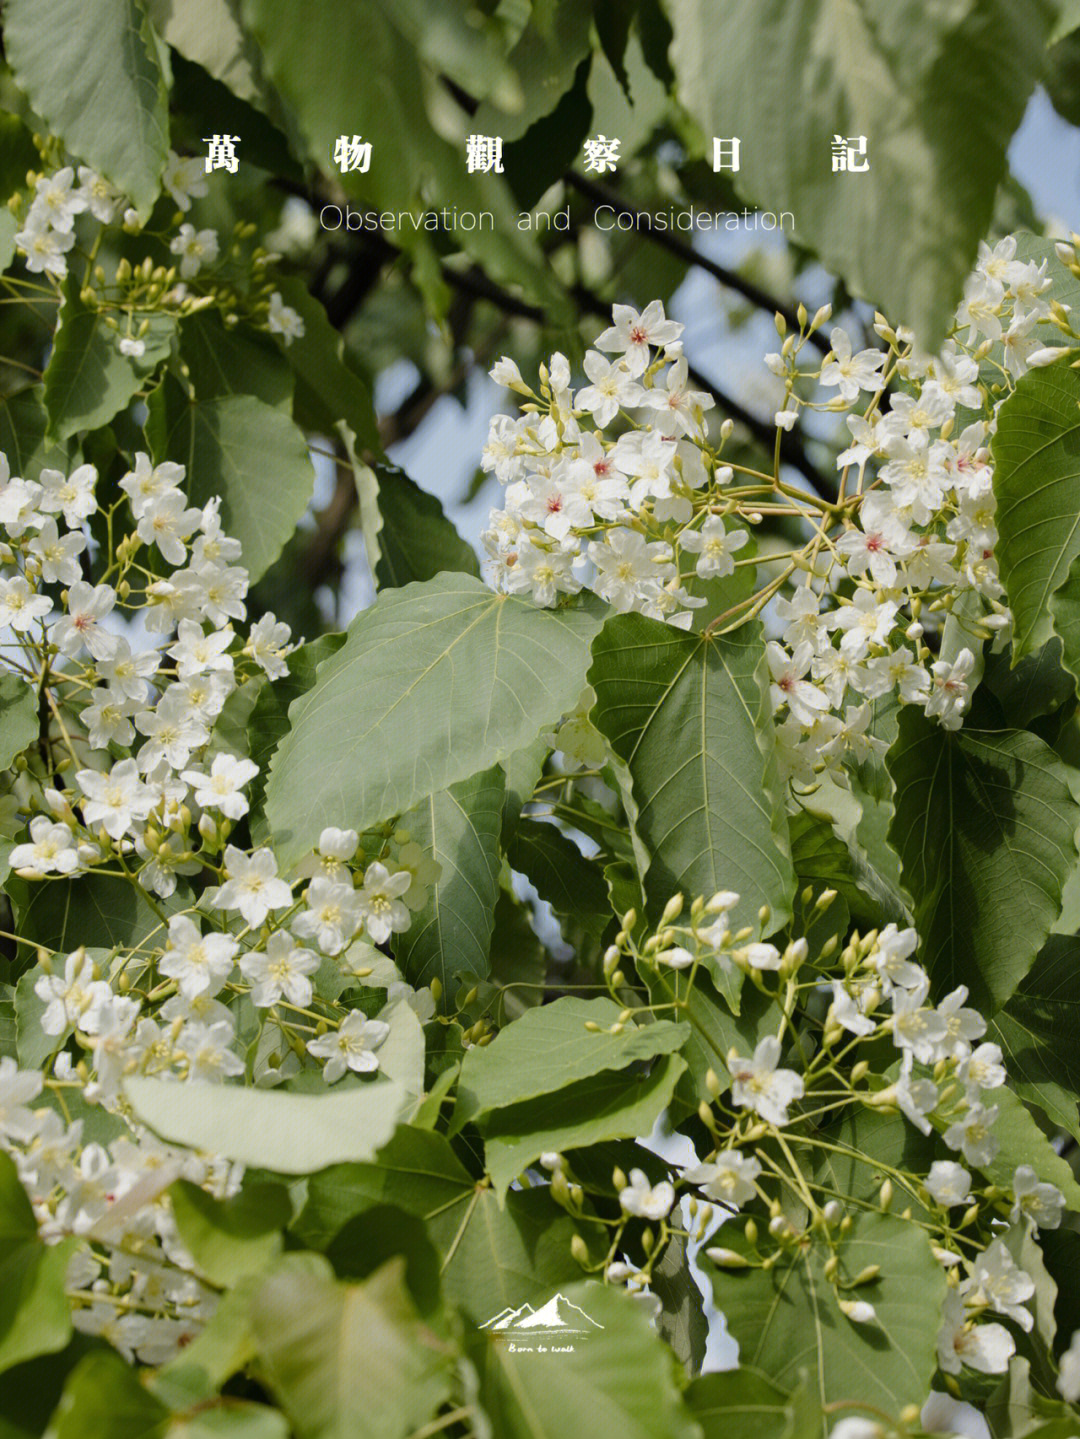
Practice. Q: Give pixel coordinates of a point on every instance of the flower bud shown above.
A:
(858, 1311)
(727, 1258)
(885, 1194)
(579, 1249)
(672, 909)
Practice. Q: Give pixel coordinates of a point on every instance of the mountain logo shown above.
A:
(557, 1318)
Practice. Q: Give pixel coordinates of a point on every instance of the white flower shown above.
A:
(284, 320)
(333, 914)
(147, 482)
(198, 653)
(87, 606)
(196, 248)
(678, 406)
(207, 1050)
(982, 1069)
(114, 800)
(985, 1347)
(167, 522)
(73, 494)
(100, 197)
(379, 902)
(1041, 1203)
(624, 561)
(352, 1046)
(997, 1280)
(51, 850)
(851, 373)
(803, 699)
(268, 644)
(849, 1010)
(199, 963)
(56, 202)
(56, 553)
(45, 248)
(757, 1084)
(221, 788)
(949, 695)
(280, 972)
(130, 346)
(613, 388)
(646, 1201)
(675, 957)
(916, 1027)
(727, 1179)
(1068, 1382)
(17, 1088)
(75, 999)
(961, 1025)
(253, 886)
(971, 1134)
(916, 1097)
(633, 333)
(20, 607)
(715, 545)
(184, 177)
(948, 1183)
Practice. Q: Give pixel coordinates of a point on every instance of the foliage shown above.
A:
(430, 1025)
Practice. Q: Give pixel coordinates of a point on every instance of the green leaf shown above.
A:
(271, 1129)
(416, 540)
(689, 715)
(211, 33)
(615, 1380)
(935, 154)
(786, 1319)
(418, 165)
(18, 716)
(269, 720)
(247, 452)
(1037, 1032)
(92, 73)
(234, 360)
(35, 1316)
(742, 1404)
(23, 422)
(1037, 484)
(681, 1322)
(231, 1238)
(97, 910)
(573, 885)
(546, 55)
(416, 1171)
(612, 1105)
(434, 683)
(549, 1048)
(104, 1399)
(1036, 686)
(460, 826)
(328, 389)
(87, 379)
(984, 829)
(348, 1361)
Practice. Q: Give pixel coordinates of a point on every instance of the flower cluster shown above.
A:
(49, 236)
(133, 780)
(769, 1107)
(618, 487)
